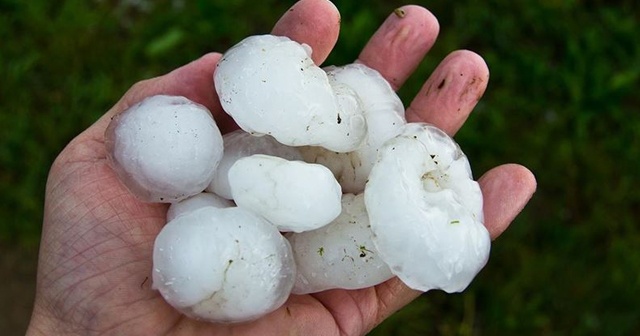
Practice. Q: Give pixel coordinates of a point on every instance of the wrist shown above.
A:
(37, 327)
(39, 324)
(42, 324)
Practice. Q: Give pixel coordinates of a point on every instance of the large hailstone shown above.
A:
(239, 144)
(270, 85)
(339, 255)
(222, 265)
(165, 148)
(293, 195)
(384, 115)
(426, 211)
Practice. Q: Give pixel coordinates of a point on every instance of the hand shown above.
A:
(97, 239)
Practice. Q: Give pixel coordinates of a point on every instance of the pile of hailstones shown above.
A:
(325, 186)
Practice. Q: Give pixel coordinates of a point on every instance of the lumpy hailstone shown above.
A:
(339, 255)
(223, 265)
(293, 195)
(270, 85)
(239, 144)
(426, 211)
(384, 115)
(165, 148)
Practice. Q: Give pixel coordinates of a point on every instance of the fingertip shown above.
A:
(451, 92)
(400, 44)
(506, 190)
(516, 175)
(208, 60)
(314, 22)
(422, 16)
(470, 60)
(525, 177)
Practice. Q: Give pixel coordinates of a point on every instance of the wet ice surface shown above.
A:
(426, 211)
(239, 144)
(297, 104)
(293, 195)
(384, 115)
(223, 265)
(164, 148)
(339, 255)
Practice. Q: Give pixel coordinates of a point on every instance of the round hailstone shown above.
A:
(384, 115)
(196, 202)
(239, 144)
(338, 255)
(270, 85)
(164, 149)
(222, 265)
(426, 211)
(293, 195)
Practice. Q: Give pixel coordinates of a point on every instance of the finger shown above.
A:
(451, 92)
(314, 22)
(401, 42)
(506, 190)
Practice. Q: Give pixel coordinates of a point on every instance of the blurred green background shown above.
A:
(563, 100)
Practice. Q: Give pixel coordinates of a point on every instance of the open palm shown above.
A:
(97, 241)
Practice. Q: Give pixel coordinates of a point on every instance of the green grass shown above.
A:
(563, 99)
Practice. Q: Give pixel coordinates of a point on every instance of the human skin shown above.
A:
(97, 239)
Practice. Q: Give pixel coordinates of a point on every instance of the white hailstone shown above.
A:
(425, 210)
(384, 115)
(239, 144)
(196, 202)
(339, 255)
(222, 265)
(293, 195)
(165, 148)
(270, 85)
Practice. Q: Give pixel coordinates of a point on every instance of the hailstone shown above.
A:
(239, 144)
(294, 195)
(270, 85)
(339, 255)
(165, 148)
(384, 115)
(426, 211)
(222, 265)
